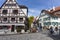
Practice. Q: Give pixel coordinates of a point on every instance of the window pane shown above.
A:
(10, 4)
(10, 0)
(12, 19)
(5, 27)
(48, 18)
(4, 12)
(55, 18)
(47, 23)
(55, 23)
(15, 11)
(20, 19)
(5, 19)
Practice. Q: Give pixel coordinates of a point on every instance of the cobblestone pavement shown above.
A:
(31, 36)
(53, 36)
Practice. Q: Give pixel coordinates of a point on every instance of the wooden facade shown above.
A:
(13, 15)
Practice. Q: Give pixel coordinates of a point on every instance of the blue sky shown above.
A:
(35, 6)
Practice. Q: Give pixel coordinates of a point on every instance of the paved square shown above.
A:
(32, 36)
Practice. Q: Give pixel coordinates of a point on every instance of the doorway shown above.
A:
(19, 28)
(13, 27)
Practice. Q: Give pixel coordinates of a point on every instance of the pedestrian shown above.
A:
(56, 28)
(56, 31)
(51, 30)
(40, 28)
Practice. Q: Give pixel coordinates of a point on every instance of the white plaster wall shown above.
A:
(51, 20)
(42, 17)
(25, 11)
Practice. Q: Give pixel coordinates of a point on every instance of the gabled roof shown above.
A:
(52, 11)
(56, 9)
(3, 4)
(21, 6)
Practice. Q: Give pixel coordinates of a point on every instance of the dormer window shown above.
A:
(15, 11)
(4, 11)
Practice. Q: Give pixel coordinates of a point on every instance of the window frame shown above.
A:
(12, 19)
(15, 12)
(5, 19)
(20, 19)
(4, 12)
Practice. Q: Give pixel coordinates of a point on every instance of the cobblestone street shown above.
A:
(32, 36)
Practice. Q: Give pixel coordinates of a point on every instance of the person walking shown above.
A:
(56, 31)
(51, 30)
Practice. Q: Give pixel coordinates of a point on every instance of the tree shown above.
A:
(30, 20)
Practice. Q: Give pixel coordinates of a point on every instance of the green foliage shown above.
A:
(30, 20)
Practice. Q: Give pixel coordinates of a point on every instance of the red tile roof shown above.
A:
(57, 8)
(52, 11)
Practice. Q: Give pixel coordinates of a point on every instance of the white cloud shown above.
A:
(33, 12)
(30, 14)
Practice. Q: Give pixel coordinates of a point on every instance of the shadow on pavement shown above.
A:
(55, 37)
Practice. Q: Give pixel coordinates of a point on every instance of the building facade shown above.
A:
(13, 16)
(50, 18)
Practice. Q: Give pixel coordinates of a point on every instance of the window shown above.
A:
(5, 27)
(15, 11)
(55, 18)
(0, 19)
(59, 23)
(54, 23)
(10, 4)
(12, 19)
(40, 19)
(10, 0)
(5, 19)
(20, 19)
(47, 23)
(0, 27)
(48, 18)
(4, 11)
